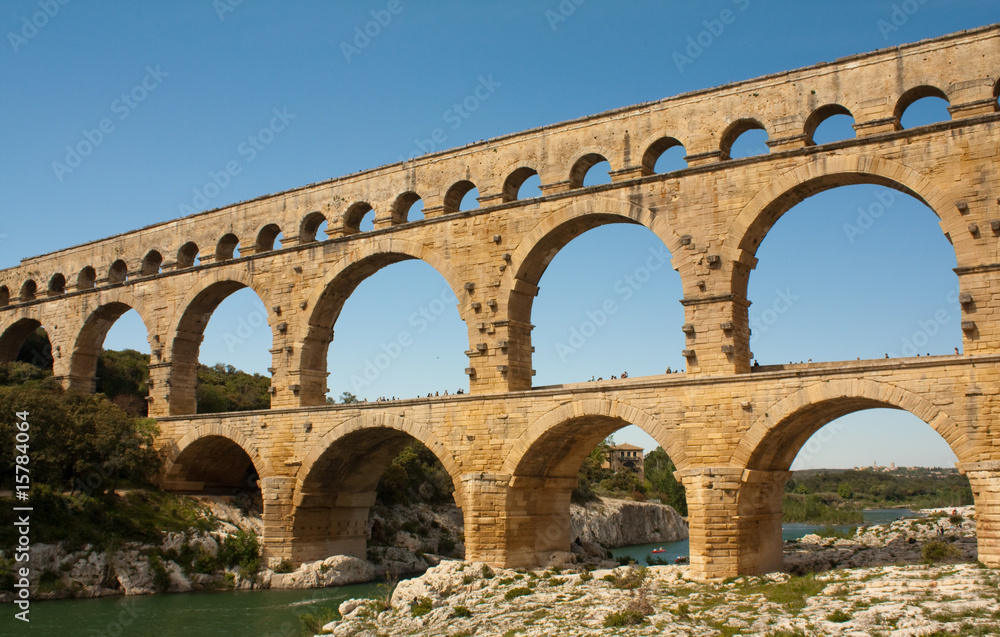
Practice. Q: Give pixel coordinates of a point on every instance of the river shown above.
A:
(264, 613)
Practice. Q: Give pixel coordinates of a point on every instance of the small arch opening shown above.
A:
(664, 155)
(521, 184)
(590, 170)
(151, 263)
(830, 123)
(118, 272)
(268, 238)
(996, 96)
(922, 105)
(4, 296)
(228, 248)
(57, 284)
(744, 138)
(461, 196)
(313, 228)
(188, 255)
(86, 279)
(408, 207)
(360, 217)
(28, 291)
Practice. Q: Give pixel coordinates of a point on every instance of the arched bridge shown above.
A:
(513, 451)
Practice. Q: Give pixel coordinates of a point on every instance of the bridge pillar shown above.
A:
(718, 340)
(515, 522)
(713, 528)
(278, 539)
(980, 303)
(318, 525)
(759, 521)
(985, 480)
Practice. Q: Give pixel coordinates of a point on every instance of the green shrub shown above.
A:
(420, 607)
(514, 593)
(838, 616)
(624, 618)
(936, 550)
(461, 611)
(242, 550)
(161, 578)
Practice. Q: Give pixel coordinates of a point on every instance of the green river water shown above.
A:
(263, 613)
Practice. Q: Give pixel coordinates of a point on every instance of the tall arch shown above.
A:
(188, 328)
(539, 247)
(336, 484)
(90, 334)
(824, 172)
(329, 296)
(13, 336)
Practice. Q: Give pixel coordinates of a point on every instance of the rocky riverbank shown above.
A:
(863, 595)
(404, 540)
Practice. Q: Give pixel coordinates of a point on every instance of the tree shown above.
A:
(845, 491)
(660, 476)
(348, 398)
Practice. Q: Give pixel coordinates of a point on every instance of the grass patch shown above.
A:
(838, 616)
(420, 607)
(514, 593)
(792, 594)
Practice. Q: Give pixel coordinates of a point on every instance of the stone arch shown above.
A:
(226, 248)
(186, 255)
(582, 165)
(819, 116)
(916, 93)
(824, 172)
(4, 296)
(28, 290)
(996, 96)
(773, 440)
(87, 278)
(267, 237)
(329, 296)
(14, 333)
(310, 226)
(211, 455)
(545, 431)
(88, 342)
(735, 130)
(335, 486)
(151, 263)
(401, 206)
(118, 272)
(57, 284)
(187, 327)
(513, 182)
(457, 191)
(353, 216)
(653, 151)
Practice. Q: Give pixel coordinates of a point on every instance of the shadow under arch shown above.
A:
(540, 246)
(187, 328)
(823, 173)
(769, 446)
(544, 464)
(14, 334)
(330, 295)
(90, 334)
(215, 458)
(335, 486)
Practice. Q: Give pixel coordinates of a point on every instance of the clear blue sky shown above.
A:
(219, 68)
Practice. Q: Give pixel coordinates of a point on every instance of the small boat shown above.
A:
(659, 550)
(681, 559)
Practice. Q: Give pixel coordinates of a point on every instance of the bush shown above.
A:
(514, 593)
(242, 550)
(624, 618)
(422, 606)
(838, 616)
(461, 611)
(487, 572)
(936, 550)
(161, 578)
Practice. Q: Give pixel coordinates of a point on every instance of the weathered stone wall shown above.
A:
(513, 451)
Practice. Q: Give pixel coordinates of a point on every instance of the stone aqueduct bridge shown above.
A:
(513, 451)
